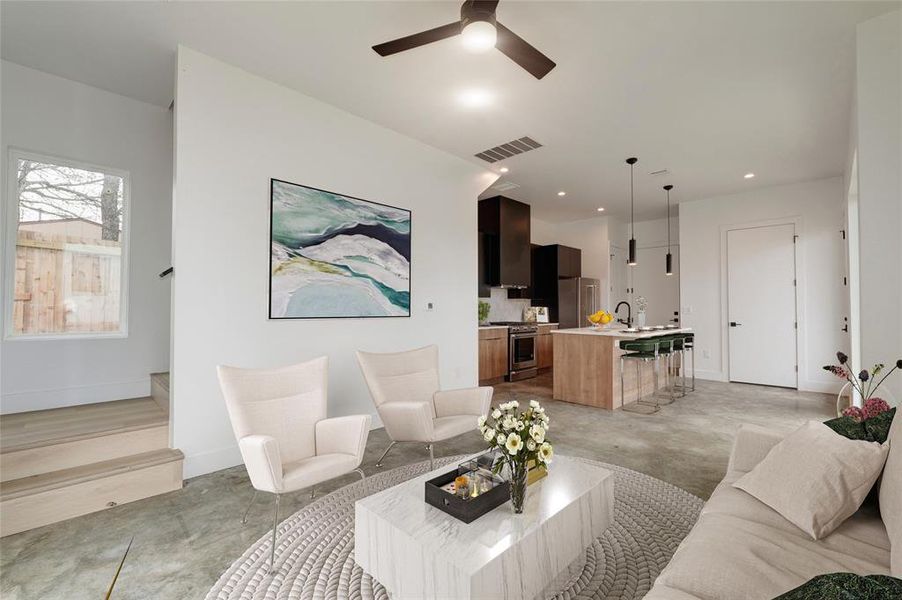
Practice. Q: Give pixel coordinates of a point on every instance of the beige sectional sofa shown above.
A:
(742, 549)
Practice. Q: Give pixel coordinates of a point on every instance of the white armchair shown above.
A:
(405, 389)
(286, 441)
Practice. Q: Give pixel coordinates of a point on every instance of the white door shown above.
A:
(762, 305)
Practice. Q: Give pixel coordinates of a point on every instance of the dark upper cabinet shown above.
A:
(552, 263)
(504, 233)
(569, 262)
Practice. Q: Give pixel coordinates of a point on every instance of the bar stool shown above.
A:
(666, 350)
(687, 343)
(643, 351)
(679, 345)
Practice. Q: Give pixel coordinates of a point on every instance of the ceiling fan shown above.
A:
(479, 32)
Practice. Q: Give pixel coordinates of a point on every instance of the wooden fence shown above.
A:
(66, 284)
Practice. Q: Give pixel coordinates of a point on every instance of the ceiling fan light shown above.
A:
(479, 36)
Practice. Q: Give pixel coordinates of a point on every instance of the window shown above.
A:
(66, 275)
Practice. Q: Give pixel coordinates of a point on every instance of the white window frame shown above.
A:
(11, 230)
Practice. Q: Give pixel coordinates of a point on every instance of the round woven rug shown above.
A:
(315, 546)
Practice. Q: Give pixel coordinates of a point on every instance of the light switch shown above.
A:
(430, 306)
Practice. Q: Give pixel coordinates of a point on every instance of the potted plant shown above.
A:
(484, 308)
(520, 438)
(866, 383)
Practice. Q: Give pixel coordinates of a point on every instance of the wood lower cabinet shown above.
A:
(545, 347)
(493, 363)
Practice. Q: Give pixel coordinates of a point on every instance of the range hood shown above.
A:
(504, 235)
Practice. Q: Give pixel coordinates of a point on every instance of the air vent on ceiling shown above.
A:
(524, 144)
(659, 173)
(505, 186)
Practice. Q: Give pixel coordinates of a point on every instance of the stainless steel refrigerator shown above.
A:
(578, 298)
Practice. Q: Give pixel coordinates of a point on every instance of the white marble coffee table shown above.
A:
(418, 551)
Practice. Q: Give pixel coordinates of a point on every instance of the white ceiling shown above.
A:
(708, 90)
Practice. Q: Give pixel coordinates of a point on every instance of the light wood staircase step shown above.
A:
(21, 431)
(39, 500)
(52, 440)
(159, 390)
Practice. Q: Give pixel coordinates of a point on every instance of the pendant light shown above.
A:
(631, 261)
(669, 260)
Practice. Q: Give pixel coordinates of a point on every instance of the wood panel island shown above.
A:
(587, 366)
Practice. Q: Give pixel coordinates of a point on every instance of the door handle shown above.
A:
(734, 324)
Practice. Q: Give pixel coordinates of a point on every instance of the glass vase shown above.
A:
(518, 487)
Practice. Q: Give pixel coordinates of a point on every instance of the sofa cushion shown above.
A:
(815, 478)
(740, 548)
(891, 495)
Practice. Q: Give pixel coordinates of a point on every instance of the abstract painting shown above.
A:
(336, 256)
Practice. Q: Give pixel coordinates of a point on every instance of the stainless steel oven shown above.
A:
(522, 352)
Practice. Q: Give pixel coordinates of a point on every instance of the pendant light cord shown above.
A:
(632, 202)
(668, 221)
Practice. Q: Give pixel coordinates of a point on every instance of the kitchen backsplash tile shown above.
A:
(504, 308)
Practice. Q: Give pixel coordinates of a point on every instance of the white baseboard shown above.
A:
(16, 402)
(710, 375)
(212, 460)
(824, 387)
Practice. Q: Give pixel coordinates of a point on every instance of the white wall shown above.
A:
(647, 278)
(234, 131)
(818, 205)
(589, 235)
(51, 115)
(877, 134)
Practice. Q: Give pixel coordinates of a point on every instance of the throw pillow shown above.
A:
(814, 478)
(846, 586)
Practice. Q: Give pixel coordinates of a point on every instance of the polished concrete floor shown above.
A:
(184, 540)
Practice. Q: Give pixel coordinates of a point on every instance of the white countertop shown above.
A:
(505, 326)
(616, 332)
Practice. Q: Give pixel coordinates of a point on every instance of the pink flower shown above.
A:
(855, 413)
(873, 407)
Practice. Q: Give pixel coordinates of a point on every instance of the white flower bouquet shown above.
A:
(520, 438)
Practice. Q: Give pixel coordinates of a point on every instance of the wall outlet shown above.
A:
(706, 353)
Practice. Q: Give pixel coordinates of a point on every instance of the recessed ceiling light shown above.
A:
(601, 209)
(504, 169)
(749, 175)
(562, 193)
(475, 98)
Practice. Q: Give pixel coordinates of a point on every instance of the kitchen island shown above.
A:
(587, 366)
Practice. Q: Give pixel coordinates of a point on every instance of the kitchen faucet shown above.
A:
(629, 313)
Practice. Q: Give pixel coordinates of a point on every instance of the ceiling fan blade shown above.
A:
(521, 52)
(418, 39)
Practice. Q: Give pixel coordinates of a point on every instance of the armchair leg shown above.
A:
(360, 472)
(312, 493)
(384, 454)
(275, 526)
(431, 456)
(249, 505)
